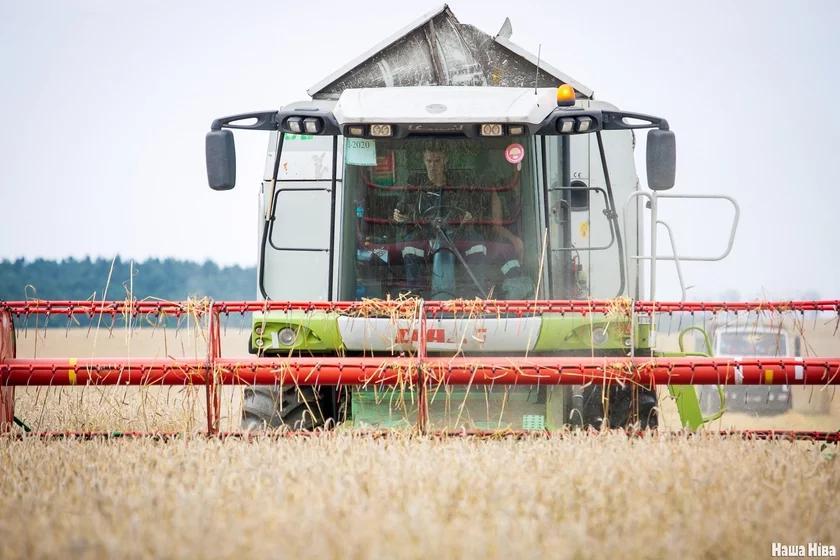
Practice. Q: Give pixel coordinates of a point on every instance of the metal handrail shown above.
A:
(653, 197)
(676, 260)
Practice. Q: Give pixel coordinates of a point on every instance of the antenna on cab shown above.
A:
(537, 78)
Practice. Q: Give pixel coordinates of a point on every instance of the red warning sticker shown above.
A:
(514, 153)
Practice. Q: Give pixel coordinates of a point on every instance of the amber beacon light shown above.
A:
(565, 96)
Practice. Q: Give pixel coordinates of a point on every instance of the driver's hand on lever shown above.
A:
(398, 216)
(467, 218)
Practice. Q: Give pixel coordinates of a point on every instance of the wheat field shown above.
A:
(348, 495)
(355, 497)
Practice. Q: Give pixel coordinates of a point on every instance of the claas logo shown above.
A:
(406, 336)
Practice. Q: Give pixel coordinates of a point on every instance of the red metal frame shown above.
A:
(420, 372)
(214, 353)
(178, 309)
(7, 352)
(648, 372)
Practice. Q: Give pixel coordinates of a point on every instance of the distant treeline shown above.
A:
(169, 279)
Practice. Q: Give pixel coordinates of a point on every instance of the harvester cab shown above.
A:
(446, 164)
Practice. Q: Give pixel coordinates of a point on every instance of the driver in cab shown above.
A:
(420, 204)
(458, 207)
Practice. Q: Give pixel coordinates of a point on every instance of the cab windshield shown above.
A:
(440, 218)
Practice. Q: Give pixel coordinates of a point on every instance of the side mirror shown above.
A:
(661, 159)
(221, 159)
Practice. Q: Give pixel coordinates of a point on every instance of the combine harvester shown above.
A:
(451, 237)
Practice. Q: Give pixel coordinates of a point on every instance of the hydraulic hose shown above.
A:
(707, 354)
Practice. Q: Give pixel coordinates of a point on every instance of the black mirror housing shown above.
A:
(221, 159)
(661, 159)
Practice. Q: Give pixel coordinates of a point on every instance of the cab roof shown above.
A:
(462, 104)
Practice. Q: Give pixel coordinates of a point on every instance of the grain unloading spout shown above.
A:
(437, 49)
(506, 31)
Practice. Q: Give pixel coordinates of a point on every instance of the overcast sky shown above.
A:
(105, 107)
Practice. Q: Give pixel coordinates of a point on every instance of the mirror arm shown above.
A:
(614, 120)
(266, 120)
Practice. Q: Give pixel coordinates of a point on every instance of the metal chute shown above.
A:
(438, 50)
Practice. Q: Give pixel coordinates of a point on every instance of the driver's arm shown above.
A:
(401, 213)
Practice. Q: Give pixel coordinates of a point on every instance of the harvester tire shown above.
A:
(295, 408)
(590, 406)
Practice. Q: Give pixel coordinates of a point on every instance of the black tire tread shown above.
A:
(288, 407)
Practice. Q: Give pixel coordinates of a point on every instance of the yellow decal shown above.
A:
(768, 376)
(71, 373)
(584, 229)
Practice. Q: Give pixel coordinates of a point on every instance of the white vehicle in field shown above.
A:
(744, 339)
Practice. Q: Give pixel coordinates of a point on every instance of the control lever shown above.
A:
(451, 246)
